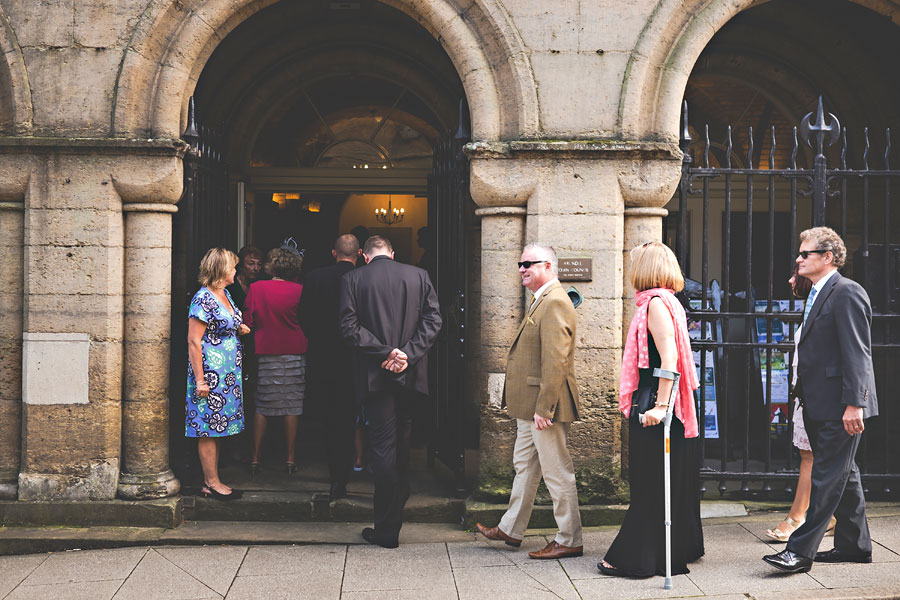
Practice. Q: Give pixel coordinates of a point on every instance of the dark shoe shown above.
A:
(373, 538)
(290, 467)
(554, 550)
(789, 562)
(254, 469)
(494, 533)
(208, 492)
(611, 571)
(338, 491)
(836, 556)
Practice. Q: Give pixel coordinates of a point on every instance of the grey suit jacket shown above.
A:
(834, 364)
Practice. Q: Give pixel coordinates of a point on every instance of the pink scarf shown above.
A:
(636, 356)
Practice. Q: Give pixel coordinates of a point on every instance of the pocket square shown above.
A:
(529, 320)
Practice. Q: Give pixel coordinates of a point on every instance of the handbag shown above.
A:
(644, 398)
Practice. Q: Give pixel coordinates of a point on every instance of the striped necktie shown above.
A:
(809, 303)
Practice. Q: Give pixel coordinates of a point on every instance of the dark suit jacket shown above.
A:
(386, 305)
(834, 365)
(328, 354)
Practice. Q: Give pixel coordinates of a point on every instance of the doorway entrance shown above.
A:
(325, 112)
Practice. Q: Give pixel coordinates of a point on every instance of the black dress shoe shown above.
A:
(836, 556)
(789, 562)
(338, 491)
(609, 571)
(373, 538)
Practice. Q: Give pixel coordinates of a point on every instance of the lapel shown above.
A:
(821, 298)
(533, 309)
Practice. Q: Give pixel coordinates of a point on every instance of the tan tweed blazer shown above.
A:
(540, 368)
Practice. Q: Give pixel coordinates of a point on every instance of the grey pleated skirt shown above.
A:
(280, 384)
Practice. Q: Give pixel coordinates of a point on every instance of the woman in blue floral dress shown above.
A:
(214, 408)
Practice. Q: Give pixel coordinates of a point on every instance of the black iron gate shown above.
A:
(742, 316)
(205, 219)
(448, 204)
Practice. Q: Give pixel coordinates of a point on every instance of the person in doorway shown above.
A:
(389, 314)
(541, 394)
(800, 287)
(272, 312)
(658, 338)
(214, 408)
(836, 385)
(249, 269)
(329, 357)
(426, 242)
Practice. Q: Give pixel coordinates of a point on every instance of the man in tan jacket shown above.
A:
(541, 393)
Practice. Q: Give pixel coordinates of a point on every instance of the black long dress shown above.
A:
(639, 549)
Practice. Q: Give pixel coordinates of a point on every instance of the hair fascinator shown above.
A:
(290, 244)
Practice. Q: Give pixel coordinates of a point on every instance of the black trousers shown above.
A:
(389, 426)
(836, 490)
(341, 411)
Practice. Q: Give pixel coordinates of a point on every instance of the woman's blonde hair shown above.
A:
(216, 264)
(654, 265)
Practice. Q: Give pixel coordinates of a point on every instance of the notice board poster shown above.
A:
(708, 378)
(780, 362)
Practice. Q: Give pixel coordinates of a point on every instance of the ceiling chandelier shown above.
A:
(389, 215)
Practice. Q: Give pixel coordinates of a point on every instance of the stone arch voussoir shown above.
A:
(173, 41)
(16, 110)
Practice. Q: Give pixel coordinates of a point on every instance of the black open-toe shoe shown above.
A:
(208, 492)
(611, 571)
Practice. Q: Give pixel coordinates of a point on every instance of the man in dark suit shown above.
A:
(328, 357)
(389, 314)
(836, 383)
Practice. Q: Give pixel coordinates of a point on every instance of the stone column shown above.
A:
(12, 236)
(145, 402)
(148, 204)
(501, 190)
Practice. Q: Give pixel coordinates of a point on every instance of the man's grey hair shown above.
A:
(546, 252)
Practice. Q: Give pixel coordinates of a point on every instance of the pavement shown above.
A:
(434, 562)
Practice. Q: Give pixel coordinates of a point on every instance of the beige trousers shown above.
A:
(537, 453)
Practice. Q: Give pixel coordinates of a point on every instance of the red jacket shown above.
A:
(271, 313)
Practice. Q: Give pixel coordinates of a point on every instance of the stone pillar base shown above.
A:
(99, 483)
(9, 491)
(134, 486)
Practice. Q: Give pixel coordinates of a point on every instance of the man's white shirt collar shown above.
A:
(821, 283)
(540, 291)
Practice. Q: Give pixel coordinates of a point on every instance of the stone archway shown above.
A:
(161, 67)
(16, 111)
(665, 54)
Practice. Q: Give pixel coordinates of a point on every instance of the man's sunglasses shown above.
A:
(804, 254)
(526, 264)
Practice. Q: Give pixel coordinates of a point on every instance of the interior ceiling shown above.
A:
(280, 83)
(768, 65)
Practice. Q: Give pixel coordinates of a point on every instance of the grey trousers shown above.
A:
(543, 453)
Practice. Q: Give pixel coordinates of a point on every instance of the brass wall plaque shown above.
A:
(575, 269)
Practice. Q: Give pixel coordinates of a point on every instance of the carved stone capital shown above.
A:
(649, 183)
(149, 181)
(500, 183)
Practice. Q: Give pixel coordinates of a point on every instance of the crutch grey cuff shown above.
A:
(664, 374)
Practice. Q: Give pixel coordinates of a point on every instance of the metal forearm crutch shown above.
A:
(674, 376)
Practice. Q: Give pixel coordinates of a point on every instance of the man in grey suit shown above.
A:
(389, 314)
(836, 384)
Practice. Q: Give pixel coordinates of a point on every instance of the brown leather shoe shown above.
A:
(554, 550)
(495, 533)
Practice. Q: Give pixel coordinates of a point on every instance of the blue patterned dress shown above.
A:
(221, 413)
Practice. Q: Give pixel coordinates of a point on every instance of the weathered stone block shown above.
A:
(97, 314)
(73, 270)
(105, 371)
(47, 23)
(105, 24)
(10, 435)
(76, 227)
(581, 235)
(98, 482)
(11, 273)
(11, 320)
(148, 270)
(12, 230)
(147, 317)
(65, 438)
(503, 233)
(148, 230)
(597, 370)
(11, 359)
(146, 445)
(599, 323)
(146, 370)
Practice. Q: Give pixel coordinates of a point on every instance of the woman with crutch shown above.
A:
(658, 339)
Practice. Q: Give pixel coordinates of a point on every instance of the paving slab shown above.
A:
(286, 586)
(409, 567)
(313, 561)
(82, 590)
(14, 569)
(617, 588)
(214, 566)
(513, 582)
(86, 565)
(155, 578)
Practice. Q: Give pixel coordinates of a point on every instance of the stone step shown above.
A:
(164, 512)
